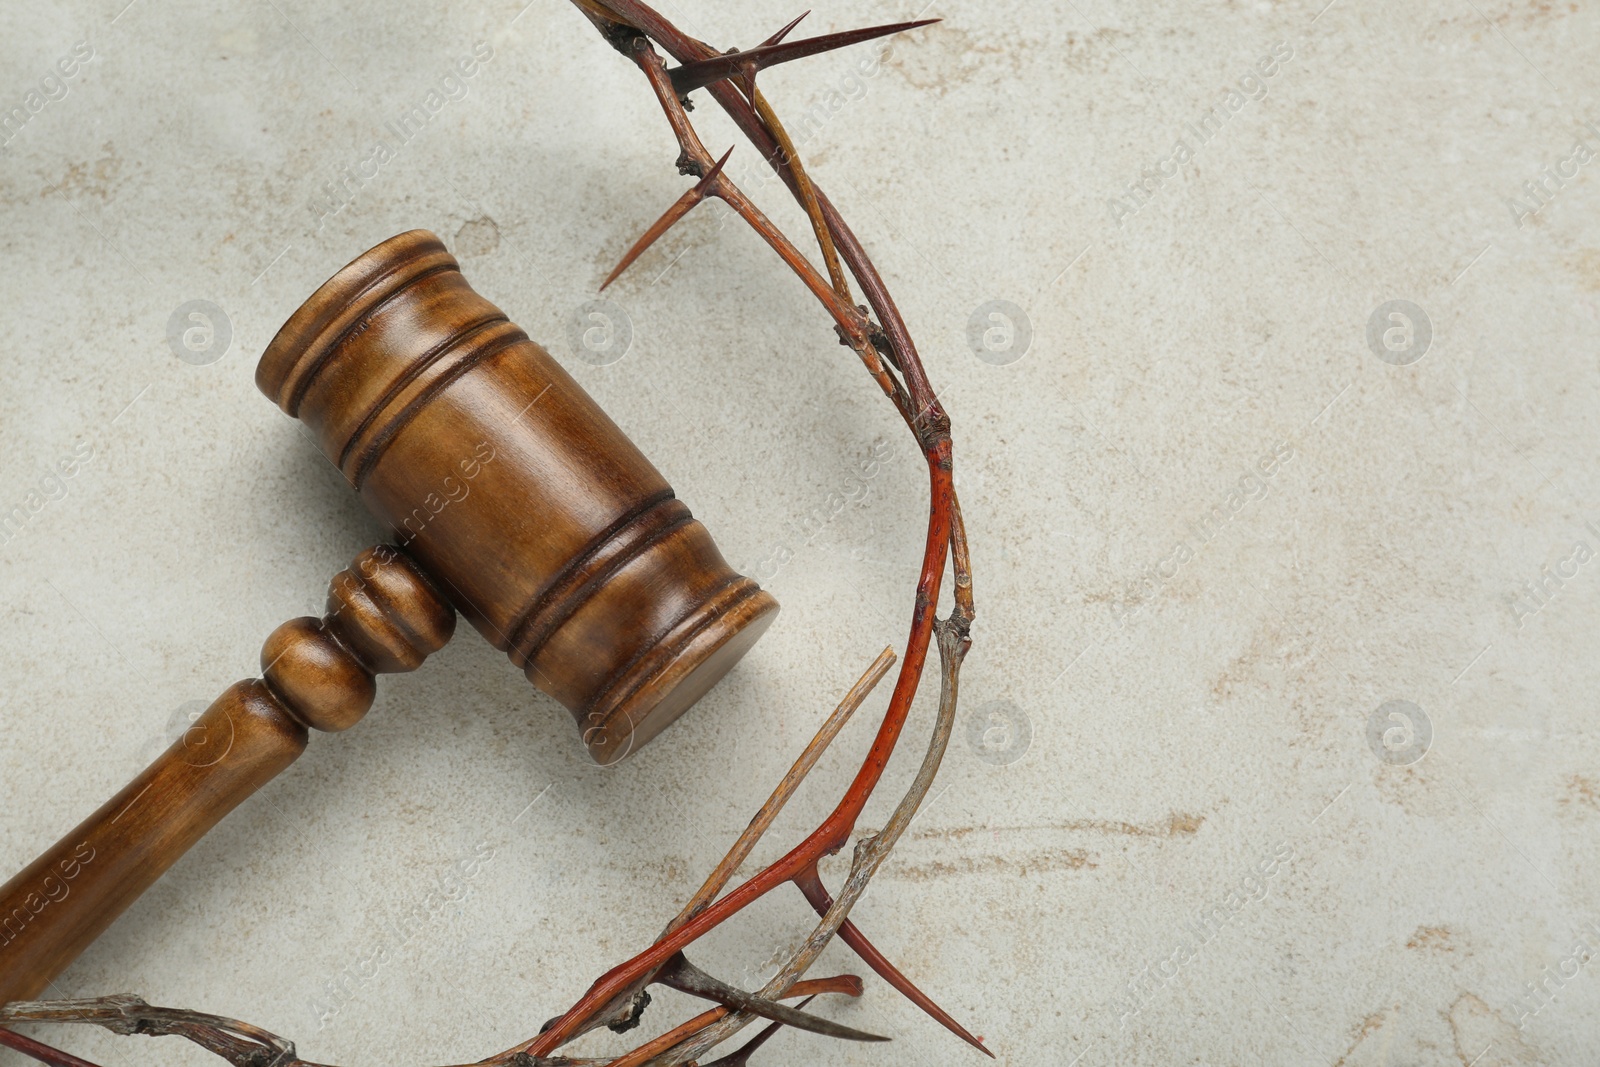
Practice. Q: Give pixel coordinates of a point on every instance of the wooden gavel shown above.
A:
(514, 500)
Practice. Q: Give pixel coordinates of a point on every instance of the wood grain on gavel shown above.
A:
(515, 500)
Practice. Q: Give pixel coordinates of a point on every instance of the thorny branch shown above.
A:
(877, 333)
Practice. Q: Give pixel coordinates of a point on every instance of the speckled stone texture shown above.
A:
(1278, 739)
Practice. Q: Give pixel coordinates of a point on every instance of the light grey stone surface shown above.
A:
(1192, 714)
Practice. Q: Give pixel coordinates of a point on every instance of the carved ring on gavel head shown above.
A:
(513, 499)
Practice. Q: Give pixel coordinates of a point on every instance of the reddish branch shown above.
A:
(40, 1051)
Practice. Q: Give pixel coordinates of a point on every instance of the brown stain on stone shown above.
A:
(1528, 16)
(1433, 938)
(1035, 860)
(1484, 1037)
(1586, 264)
(1177, 823)
(1042, 862)
(1581, 793)
(1368, 1026)
(941, 57)
(1243, 668)
(1275, 654)
(98, 178)
(1417, 789)
(1184, 824)
(1543, 11)
(477, 237)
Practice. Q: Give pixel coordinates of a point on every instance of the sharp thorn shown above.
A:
(817, 895)
(687, 978)
(740, 1057)
(852, 936)
(716, 168)
(678, 210)
(778, 37)
(692, 76)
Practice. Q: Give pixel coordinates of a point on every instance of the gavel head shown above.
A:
(519, 498)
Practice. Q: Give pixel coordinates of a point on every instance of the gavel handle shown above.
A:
(382, 617)
(63, 900)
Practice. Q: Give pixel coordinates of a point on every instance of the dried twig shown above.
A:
(245, 1045)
